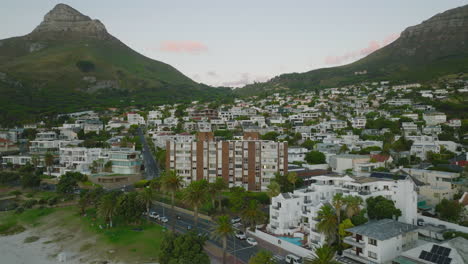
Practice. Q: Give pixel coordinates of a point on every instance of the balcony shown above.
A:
(275, 207)
(349, 253)
(274, 217)
(352, 241)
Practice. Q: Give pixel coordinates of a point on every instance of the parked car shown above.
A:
(278, 259)
(153, 215)
(241, 235)
(293, 259)
(235, 220)
(237, 225)
(252, 241)
(164, 219)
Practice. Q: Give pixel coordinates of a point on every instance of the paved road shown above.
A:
(151, 166)
(239, 248)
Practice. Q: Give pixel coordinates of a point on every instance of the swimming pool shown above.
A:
(293, 240)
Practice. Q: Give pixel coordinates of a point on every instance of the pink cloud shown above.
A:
(183, 46)
(371, 47)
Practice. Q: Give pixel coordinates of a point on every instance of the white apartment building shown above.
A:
(358, 122)
(248, 163)
(125, 161)
(297, 154)
(438, 184)
(297, 212)
(135, 119)
(16, 160)
(434, 118)
(380, 241)
(161, 138)
(341, 163)
(410, 128)
(78, 159)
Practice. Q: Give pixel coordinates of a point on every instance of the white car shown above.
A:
(293, 259)
(153, 215)
(164, 219)
(252, 241)
(240, 235)
(237, 225)
(235, 220)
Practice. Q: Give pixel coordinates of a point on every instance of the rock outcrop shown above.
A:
(64, 21)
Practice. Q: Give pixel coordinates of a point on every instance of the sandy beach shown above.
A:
(14, 250)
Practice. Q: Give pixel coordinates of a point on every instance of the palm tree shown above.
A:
(353, 204)
(35, 161)
(327, 222)
(215, 189)
(171, 183)
(252, 213)
(107, 208)
(322, 255)
(273, 189)
(49, 161)
(195, 195)
(155, 184)
(223, 230)
(146, 197)
(338, 202)
(292, 178)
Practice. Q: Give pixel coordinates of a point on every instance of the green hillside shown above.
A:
(50, 72)
(434, 48)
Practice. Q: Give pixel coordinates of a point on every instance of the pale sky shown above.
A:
(235, 42)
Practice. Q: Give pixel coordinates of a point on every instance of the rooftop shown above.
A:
(382, 229)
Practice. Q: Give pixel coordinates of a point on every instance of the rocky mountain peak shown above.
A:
(65, 21)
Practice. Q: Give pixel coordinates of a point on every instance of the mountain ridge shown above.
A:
(436, 47)
(70, 62)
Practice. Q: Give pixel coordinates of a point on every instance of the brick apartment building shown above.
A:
(250, 163)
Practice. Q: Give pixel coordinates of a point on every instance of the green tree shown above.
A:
(262, 257)
(328, 222)
(147, 196)
(215, 190)
(130, 207)
(353, 205)
(315, 157)
(273, 189)
(30, 180)
(449, 210)
(195, 195)
(49, 161)
(309, 144)
(223, 230)
(292, 178)
(380, 208)
(252, 214)
(183, 248)
(342, 229)
(67, 183)
(322, 255)
(171, 183)
(360, 218)
(107, 208)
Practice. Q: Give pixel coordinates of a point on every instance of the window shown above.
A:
(372, 254)
(373, 242)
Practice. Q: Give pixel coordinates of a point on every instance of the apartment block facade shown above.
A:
(250, 163)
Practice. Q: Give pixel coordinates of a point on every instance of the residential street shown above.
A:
(151, 166)
(241, 249)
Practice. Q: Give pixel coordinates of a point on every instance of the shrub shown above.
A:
(85, 66)
(141, 184)
(19, 210)
(29, 203)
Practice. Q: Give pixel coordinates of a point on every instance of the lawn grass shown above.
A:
(128, 245)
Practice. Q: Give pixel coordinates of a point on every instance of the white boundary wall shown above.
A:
(296, 250)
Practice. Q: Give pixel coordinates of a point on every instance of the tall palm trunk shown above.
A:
(224, 249)
(172, 211)
(195, 214)
(220, 206)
